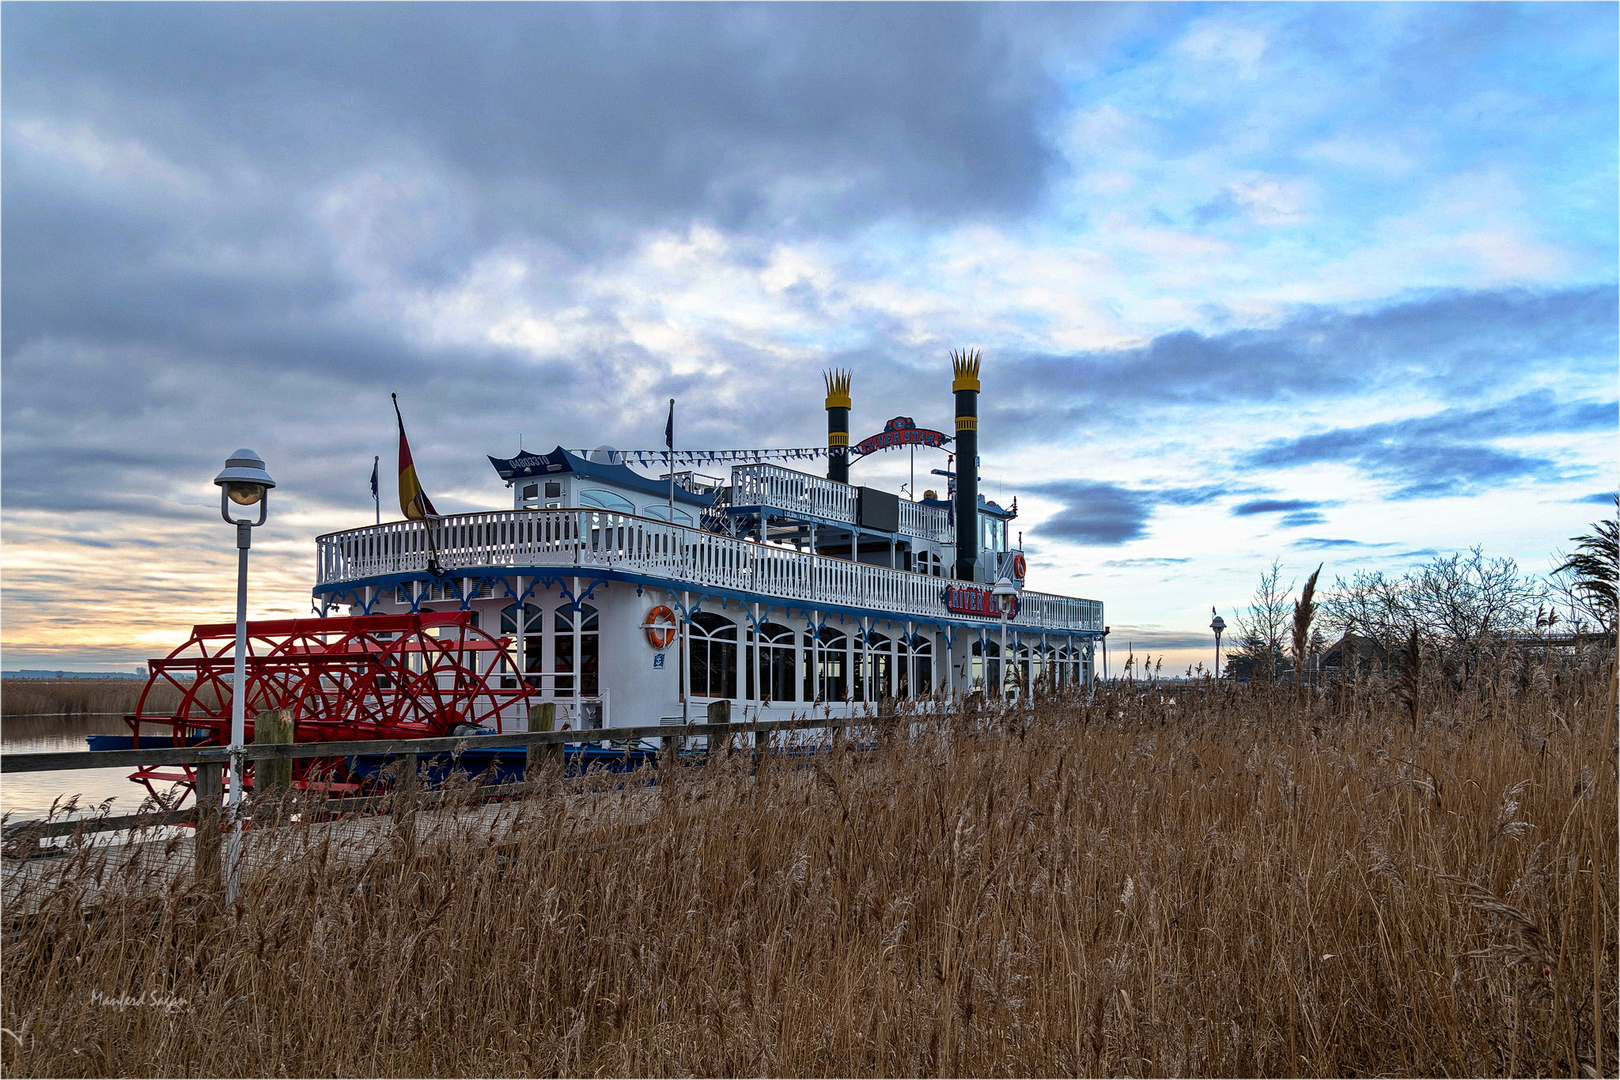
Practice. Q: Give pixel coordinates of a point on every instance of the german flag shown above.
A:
(413, 501)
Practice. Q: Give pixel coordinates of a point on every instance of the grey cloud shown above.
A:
(1601, 498)
(1450, 344)
(1322, 543)
(1123, 638)
(556, 131)
(1300, 520)
(1271, 506)
(1127, 564)
(1096, 512)
(655, 111)
(1448, 452)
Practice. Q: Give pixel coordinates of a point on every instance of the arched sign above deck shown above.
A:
(901, 431)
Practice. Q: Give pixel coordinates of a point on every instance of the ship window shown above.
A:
(770, 660)
(876, 661)
(1018, 665)
(606, 500)
(1070, 668)
(915, 675)
(712, 654)
(986, 653)
(531, 491)
(1043, 675)
(553, 489)
(660, 512)
(524, 657)
(562, 650)
(826, 666)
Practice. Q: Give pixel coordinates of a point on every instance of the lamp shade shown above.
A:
(244, 478)
(1004, 587)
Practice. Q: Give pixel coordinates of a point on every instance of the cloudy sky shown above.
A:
(1319, 283)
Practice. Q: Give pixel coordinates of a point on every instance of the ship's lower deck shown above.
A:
(596, 647)
(776, 632)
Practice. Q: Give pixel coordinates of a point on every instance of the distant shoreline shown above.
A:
(43, 673)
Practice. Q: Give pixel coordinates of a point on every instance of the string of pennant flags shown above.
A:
(652, 458)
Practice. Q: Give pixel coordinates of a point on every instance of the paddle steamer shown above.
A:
(631, 599)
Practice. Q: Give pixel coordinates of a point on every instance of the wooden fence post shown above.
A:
(719, 712)
(405, 802)
(269, 775)
(210, 785)
(542, 717)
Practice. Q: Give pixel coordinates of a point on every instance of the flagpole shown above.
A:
(376, 498)
(669, 441)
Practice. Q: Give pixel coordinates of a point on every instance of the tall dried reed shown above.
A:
(78, 697)
(1172, 882)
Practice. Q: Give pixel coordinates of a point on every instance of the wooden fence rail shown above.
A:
(219, 755)
(539, 747)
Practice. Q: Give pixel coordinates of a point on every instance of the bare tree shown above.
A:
(1468, 599)
(1370, 605)
(1262, 627)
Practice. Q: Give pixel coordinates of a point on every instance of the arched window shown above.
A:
(526, 630)
(770, 665)
(606, 500)
(1044, 675)
(986, 665)
(875, 662)
(915, 675)
(826, 667)
(577, 634)
(1067, 667)
(712, 656)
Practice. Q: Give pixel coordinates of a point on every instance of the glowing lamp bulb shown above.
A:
(244, 494)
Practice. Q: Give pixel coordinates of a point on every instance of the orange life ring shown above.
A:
(1018, 565)
(660, 627)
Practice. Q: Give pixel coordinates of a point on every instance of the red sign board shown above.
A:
(964, 601)
(901, 431)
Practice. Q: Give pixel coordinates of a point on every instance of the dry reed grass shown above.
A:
(78, 697)
(1183, 882)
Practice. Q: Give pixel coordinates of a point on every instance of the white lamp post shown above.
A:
(1218, 625)
(1006, 593)
(244, 482)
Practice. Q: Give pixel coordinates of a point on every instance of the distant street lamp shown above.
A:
(244, 482)
(1006, 594)
(1218, 625)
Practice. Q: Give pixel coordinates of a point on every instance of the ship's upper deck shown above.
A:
(661, 554)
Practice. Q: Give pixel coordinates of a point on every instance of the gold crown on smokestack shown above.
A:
(837, 389)
(965, 366)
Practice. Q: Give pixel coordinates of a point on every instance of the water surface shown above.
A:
(29, 795)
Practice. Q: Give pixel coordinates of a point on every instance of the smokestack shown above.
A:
(838, 425)
(965, 366)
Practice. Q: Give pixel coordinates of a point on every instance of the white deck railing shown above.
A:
(928, 522)
(637, 545)
(803, 493)
(788, 490)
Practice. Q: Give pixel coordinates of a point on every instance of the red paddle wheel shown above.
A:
(365, 677)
